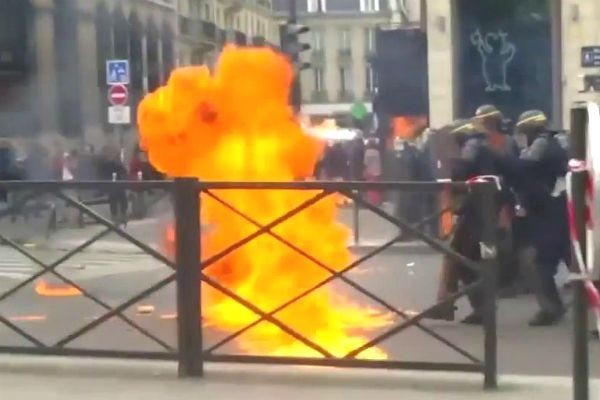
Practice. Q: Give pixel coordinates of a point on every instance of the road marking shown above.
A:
(28, 318)
(14, 275)
(16, 267)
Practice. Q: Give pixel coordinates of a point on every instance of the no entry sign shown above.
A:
(118, 95)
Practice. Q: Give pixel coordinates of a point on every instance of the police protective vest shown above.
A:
(546, 162)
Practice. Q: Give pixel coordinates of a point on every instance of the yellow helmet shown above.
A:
(532, 119)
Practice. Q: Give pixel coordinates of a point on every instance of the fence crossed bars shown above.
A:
(189, 271)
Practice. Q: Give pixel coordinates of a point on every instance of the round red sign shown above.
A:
(118, 95)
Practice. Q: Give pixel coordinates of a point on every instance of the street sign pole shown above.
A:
(119, 113)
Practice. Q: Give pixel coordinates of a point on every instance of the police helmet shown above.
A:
(532, 120)
(461, 127)
(488, 111)
(488, 119)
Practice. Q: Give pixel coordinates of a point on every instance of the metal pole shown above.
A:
(486, 200)
(293, 16)
(578, 148)
(187, 254)
(296, 88)
(356, 220)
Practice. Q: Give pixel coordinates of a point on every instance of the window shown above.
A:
(370, 40)
(346, 83)
(317, 6)
(319, 84)
(219, 19)
(369, 5)
(343, 6)
(317, 42)
(345, 39)
(370, 80)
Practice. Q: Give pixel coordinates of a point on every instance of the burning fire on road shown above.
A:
(236, 125)
(45, 289)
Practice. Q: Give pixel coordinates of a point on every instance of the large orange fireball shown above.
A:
(236, 125)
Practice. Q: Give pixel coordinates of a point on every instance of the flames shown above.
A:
(43, 288)
(235, 125)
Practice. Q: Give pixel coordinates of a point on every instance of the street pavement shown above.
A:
(26, 378)
(404, 276)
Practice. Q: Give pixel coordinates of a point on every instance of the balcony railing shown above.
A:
(319, 96)
(259, 41)
(345, 56)
(345, 96)
(369, 94)
(197, 30)
(317, 56)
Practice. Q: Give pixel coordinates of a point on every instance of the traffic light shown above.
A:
(291, 45)
(293, 48)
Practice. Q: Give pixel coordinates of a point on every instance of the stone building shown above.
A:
(342, 38)
(206, 25)
(53, 61)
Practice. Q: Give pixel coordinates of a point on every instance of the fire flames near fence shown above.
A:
(270, 243)
(236, 125)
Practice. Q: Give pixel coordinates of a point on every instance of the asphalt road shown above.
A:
(114, 271)
(403, 277)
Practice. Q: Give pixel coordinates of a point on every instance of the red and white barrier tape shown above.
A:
(485, 179)
(584, 272)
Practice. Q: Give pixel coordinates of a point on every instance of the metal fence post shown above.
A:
(486, 200)
(356, 220)
(578, 148)
(187, 253)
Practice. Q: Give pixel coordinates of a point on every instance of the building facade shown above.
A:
(53, 57)
(342, 38)
(205, 26)
(518, 54)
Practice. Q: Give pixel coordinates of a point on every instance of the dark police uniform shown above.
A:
(471, 158)
(537, 176)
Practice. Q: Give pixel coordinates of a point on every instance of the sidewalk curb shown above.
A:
(142, 376)
(414, 248)
(124, 247)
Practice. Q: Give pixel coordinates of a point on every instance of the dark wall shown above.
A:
(505, 55)
(67, 67)
(400, 66)
(17, 69)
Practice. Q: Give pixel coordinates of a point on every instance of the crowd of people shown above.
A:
(530, 161)
(532, 222)
(38, 163)
(366, 159)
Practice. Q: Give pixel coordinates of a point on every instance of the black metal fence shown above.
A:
(188, 270)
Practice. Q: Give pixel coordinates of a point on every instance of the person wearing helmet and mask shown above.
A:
(469, 156)
(538, 177)
(479, 139)
(491, 122)
(447, 149)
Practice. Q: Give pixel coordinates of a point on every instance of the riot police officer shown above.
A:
(538, 176)
(469, 156)
(489, 120)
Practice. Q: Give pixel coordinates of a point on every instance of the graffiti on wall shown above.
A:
(496, 52)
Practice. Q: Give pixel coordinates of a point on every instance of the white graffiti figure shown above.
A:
(496, 54)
